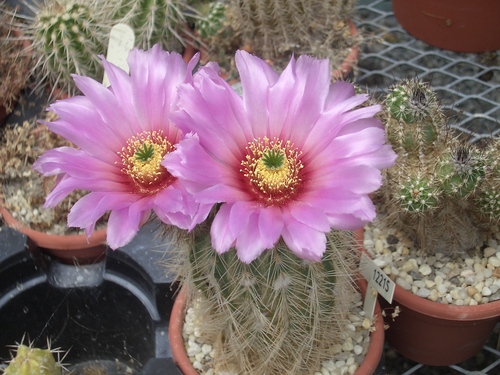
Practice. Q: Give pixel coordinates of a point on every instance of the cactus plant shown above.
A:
(29, 360)
(66, 36)
(277, 301)
(265, 203)
(163, 22)
(274, 30)
(443, 192)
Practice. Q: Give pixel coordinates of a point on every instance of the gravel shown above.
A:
(467, 280)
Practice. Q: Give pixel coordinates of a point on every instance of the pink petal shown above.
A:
(192, 163)
(107, 106)
(270, 225)
(310, 216)
(308, 93)
(82, 125)
(339, 92)
(217, 119)
(222, 239)
(239, 217)
(256, 78)
(86, 211)
(123, 225)
(304, 241)
(249, 243)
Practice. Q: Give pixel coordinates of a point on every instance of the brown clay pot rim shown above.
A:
(437, 309)
(54, 241)
(367, 367)
(447, 312)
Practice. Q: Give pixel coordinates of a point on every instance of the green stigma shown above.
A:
(145, 152)
(273, 159)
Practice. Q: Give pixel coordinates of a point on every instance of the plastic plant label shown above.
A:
(121, 41)
(378, 282)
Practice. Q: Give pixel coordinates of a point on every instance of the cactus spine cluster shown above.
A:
(67, 39)
(443, 192)
(29, 361)
(156, 21)
(275, 29)
(276, 315)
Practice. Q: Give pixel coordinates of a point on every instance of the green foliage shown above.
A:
(442, 192)
(412, 105)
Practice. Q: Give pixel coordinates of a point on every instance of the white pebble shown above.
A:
(403, 283)
(494, 261)
(486, 291)
(423, 292)
(425, 269)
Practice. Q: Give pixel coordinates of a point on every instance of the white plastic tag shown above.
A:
(378, 282)
(121, 41)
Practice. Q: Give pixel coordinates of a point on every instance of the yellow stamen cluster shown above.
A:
(272, 167)
(141, 160)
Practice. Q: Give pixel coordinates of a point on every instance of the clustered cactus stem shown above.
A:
(443, 192)
(277, 315)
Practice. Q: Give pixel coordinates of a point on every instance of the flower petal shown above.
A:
(304, 241)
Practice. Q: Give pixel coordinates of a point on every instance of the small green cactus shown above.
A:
(214, 20)
(442, 192)
(417, 196)
(30, 361)
(67, 37)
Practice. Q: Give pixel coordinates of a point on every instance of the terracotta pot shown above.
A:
(433, 333)
(179, 354)
(456, 25)
(68, 248)
(436, 334)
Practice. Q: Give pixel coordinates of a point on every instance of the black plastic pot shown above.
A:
(112, 312)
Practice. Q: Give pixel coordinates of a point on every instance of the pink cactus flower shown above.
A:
(290, 159)
(122, 134)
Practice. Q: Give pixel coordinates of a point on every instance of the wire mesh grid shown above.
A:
(468, 84)
(469, 88)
